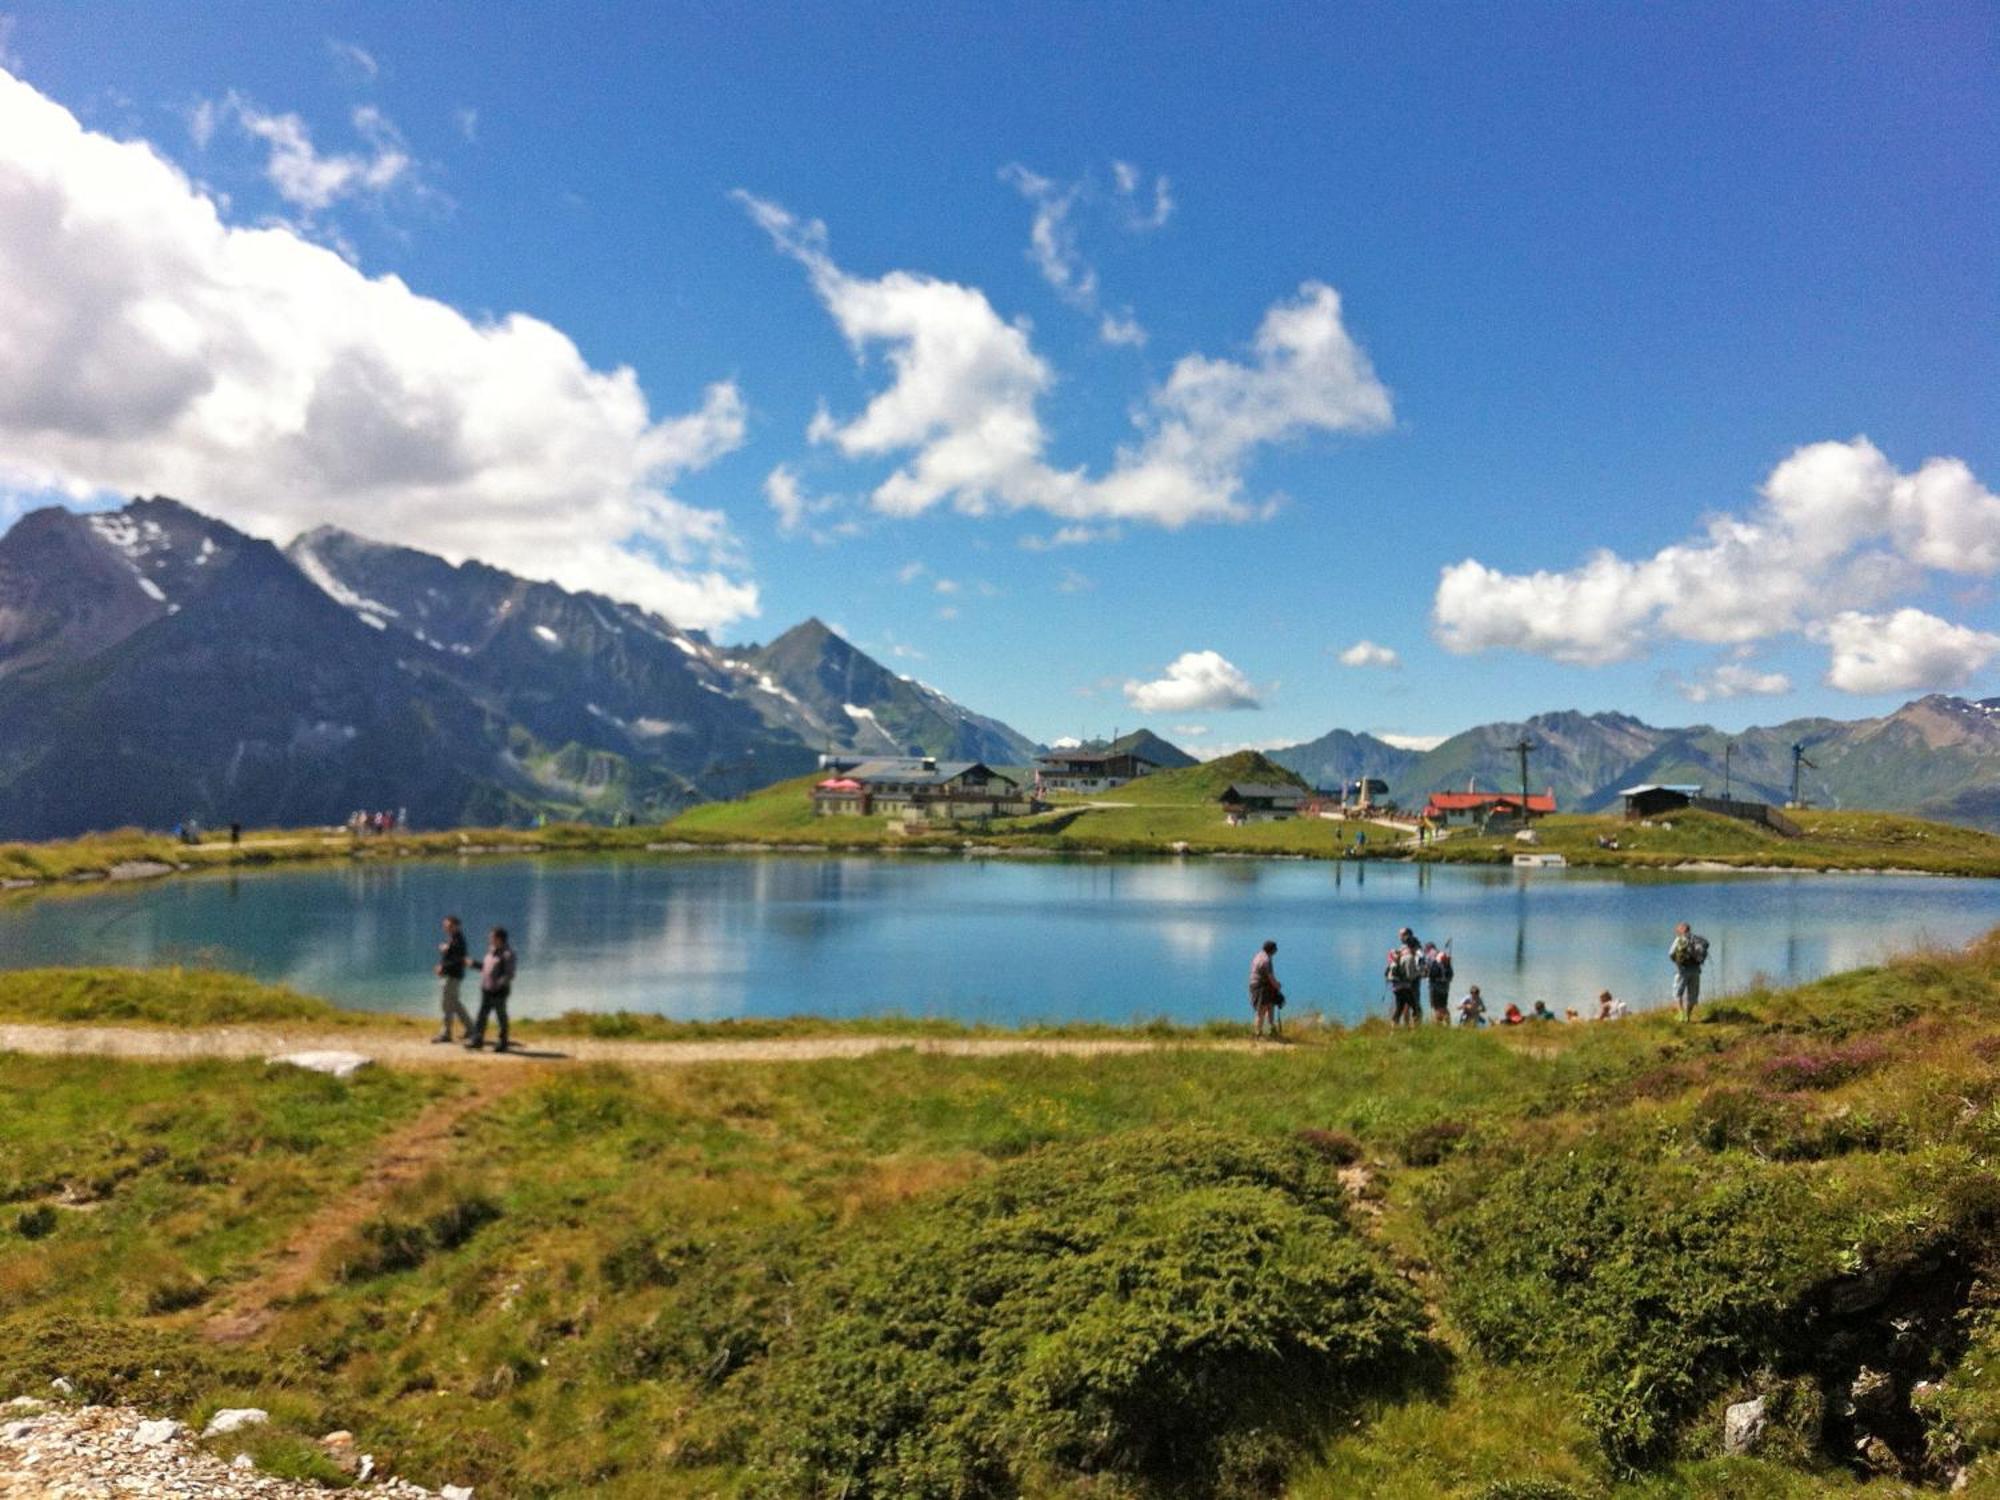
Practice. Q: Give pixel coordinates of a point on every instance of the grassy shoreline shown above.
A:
(1172, 814)
(1514, 1266)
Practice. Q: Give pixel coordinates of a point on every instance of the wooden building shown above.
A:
(922, 789)
(1090, 770)
(1456, 809)
(1260, 802)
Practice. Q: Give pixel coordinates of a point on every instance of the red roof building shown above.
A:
(1465, 807)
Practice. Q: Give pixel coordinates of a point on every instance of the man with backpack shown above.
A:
(1405, 973)
(451, 966)
(1688, 954)
(1438, 971)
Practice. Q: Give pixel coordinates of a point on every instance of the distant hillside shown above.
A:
(1206, 780)
(1342, 756)
(1938, 756)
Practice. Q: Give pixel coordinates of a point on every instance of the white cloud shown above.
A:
(1053, 249)
(1073, 582)
(1838, 528)
(1130, 184)
(1368, 654)
(1904, 652)
(1052, 238)
(1122, 330)
(910, 572)
(1734, 680)
(304, 177)
(466, 118)
(148, 346)
(962, 403)
(1188, 731)
(357, 62)
(1195, 682)
(945, 585)
(1069, 536)
(947, 612)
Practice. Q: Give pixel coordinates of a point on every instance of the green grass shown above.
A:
(616, 1279)
(1831, 841)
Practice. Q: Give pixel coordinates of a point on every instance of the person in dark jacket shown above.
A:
(496, 983)
(1438, 975)
(451, 975)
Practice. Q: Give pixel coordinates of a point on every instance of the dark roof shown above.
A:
(943, 773)
(1682, 790)
(1243, 791)
(1092, 757)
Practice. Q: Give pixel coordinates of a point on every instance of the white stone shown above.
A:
(152, 1434)
(230, 1418)
(367, 1469)
(1743, 1426)
(337, 1064)
(13, 1432)
(455, 1492)
(242, 1461)
(61, 1386)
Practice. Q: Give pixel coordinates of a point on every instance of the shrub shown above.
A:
(402, 1242)
(1529, 1489)
(1430, 1144)
(1179, 1307)
(176, 1293)
(37, 1222)
(1825, 1069)
(1335, 1146)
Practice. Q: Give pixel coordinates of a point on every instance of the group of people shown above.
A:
(496, 985)
(387, 820)
(1416, 971)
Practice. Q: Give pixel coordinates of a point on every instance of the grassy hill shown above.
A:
(1832, 841)
(1532, 1264)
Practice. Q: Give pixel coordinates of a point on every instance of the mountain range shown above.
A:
(157, 664)
(1938, 756)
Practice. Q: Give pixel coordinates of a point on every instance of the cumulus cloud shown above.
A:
(1069, 536)
(148, 345)
(1903, 652)
(1838, 527)
(1194, 682)
(1734, 680)
(1368, 654)
(962, 405)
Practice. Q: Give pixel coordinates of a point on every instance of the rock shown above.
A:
(231, 1418)
(367, 1469)
(13, 1432)
(152, 1434)
(1743, 1426)
(339, 1446)
(242, 1461)
(455, 1492)
(335, 1064)
(1871, 1389)
(62, 1387)
(1877, 1455)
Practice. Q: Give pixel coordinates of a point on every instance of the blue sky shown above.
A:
(1606, 269)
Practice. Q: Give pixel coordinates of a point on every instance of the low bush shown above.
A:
(1181, 1308)
(403, 1241)
(1336, 1146)
(1430, 1143)
(37, 1222)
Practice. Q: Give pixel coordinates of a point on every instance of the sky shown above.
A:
(1244, 373)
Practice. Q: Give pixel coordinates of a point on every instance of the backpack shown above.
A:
(1697, 949)
(1441, 969)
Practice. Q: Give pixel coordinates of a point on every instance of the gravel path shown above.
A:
(167, 1044)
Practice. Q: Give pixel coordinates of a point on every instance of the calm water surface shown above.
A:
(1001, 941)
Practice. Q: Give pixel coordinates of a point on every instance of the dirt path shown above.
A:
(161, 1044)
(399, 1158)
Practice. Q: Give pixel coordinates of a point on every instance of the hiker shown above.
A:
(1472, 1009)
(496, 983)
(1405, 973)
(1542, 1012)
(1267, 996)
(451, 974)
(1438, 972)
(1608, 1008)
(1512, 1016)
(1688, 954)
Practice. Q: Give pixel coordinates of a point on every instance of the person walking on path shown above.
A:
(1267, 996)
(1438, 974)
(451, 975)
(496, 983)
(1405, 975)
(1689, 953)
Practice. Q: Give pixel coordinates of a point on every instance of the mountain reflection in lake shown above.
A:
(1001, 941)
